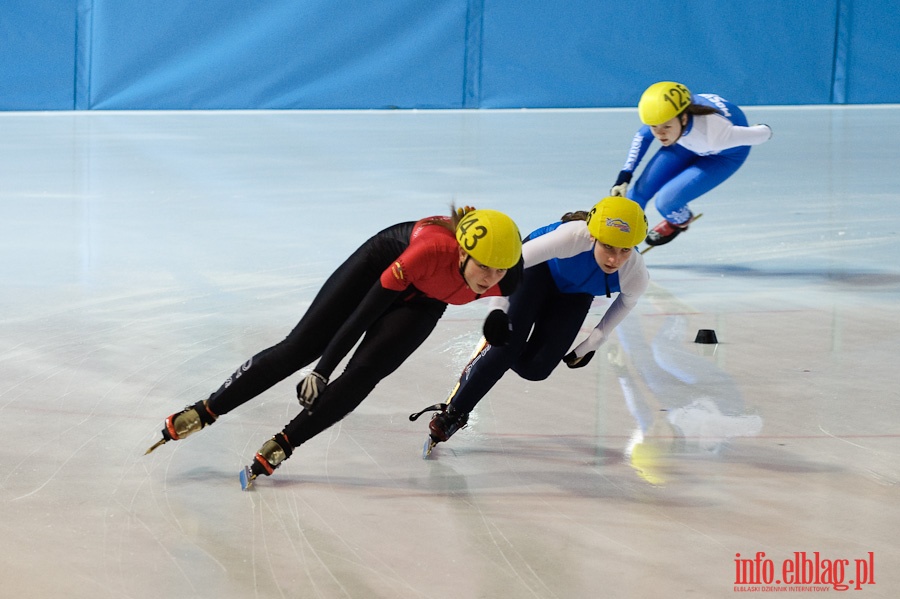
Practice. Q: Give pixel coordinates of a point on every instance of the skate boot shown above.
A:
(186, 422)
(665, 231)
(267, 459)
(445, 423)
(442, 426)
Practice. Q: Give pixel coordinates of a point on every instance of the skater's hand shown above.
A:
(584, 351)
(766, 126)
(309, 389)
(621, 186)
(497, 328)
(619, 190)
(573, 361)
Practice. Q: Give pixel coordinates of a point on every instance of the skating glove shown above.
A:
(582, 354)
(621, 186)
(309, 388)
(497, 328)
(573, 361)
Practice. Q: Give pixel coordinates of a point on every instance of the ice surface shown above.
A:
(145, 255)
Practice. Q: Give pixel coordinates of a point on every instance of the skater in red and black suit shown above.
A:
(393, 289)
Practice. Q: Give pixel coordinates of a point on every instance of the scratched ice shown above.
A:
(145, 256)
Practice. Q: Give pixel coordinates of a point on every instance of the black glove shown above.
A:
(497, 328)
(573, 361)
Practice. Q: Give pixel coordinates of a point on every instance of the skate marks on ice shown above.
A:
(133, 289)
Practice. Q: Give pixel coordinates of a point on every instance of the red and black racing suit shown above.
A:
(393, 289)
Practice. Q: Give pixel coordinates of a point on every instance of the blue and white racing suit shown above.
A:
(549, 307)
(711, 148)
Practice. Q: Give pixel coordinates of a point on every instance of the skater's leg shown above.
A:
(186, 422)
(335, 302)
(489, 365)
(386, 345)
(662, 168)
(706, 173)
(553, 334)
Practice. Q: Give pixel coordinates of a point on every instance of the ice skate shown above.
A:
(665, 232)
(267, 459)
(184, 423)
(447, 421)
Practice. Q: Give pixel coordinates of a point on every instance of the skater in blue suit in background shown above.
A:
(705, 140)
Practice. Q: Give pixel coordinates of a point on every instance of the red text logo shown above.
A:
(810, 571)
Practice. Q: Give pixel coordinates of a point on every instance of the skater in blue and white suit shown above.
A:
(567, 264)
(705, 140)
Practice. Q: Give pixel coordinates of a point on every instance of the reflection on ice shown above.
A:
(681, 400)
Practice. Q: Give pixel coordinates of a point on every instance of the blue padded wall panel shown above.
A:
(215, 54)
(873, 52)
(284, 54)
(37, 60)
(586, 53)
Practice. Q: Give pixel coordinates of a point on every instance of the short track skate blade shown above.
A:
(650, 247)
(246, 479)
(429, 445)
(155, 445)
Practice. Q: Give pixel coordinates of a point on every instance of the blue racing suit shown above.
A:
(711, 148)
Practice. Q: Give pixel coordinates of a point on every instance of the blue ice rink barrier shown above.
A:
(304, 54)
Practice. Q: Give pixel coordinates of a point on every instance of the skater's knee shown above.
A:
(535, 371)
(361, 375)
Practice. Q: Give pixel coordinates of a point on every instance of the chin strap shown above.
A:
(462, 271)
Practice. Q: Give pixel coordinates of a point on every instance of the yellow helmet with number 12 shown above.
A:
(663, 101)
(490, 237)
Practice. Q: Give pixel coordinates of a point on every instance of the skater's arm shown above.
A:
(376, 302)
(722, 134)
(640, 143)
(616, 313)
(511, 280)
(634, 280)
(567, 240)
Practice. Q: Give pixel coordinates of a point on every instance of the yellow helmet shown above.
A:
(618, 222)
(490, 237)
(663, 101)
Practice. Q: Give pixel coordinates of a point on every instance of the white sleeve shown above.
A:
(499, 302)
(722, 134)
(633, 282)
(567, 240)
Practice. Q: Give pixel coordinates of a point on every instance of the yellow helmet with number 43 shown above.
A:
(490, 237)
